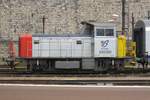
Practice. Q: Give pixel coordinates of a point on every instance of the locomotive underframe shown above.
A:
(99, 64)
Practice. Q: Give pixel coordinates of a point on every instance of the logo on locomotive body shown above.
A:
(105, 47)
(104, 43)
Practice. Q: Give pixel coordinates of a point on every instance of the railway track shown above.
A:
(122, 77)
(138, 72)
(77, 75)
(124, 81)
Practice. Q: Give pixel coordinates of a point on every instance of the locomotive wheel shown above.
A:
(36, 68)
(102, 65)
(119, 64)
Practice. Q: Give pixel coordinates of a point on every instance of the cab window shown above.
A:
(104, 32)
(99, 32)
(109, 32)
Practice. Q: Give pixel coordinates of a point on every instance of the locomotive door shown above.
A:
(77, 48)
(44, 48)
(35, 46)
(40, 47)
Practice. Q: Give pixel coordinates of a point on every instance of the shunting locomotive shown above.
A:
(98, 48)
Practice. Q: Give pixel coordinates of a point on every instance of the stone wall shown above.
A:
(63, 16)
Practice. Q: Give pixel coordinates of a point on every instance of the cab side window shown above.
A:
(109, 32)
(104, 32)
(99, 32)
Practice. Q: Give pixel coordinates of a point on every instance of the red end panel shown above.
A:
(25, 46)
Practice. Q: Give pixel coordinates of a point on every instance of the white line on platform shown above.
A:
(67, 86)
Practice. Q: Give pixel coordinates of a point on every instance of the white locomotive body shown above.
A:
(62, 47)
(95, 48)
(77, 46)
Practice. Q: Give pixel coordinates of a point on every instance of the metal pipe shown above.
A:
(123, 16)
(133, 22)
(43, 20)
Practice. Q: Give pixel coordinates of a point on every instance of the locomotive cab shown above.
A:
(105, 40)
(109, 49)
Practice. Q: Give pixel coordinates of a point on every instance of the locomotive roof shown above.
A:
(98, 24)
(61, 35)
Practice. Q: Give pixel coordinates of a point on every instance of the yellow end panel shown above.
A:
(121, 50)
